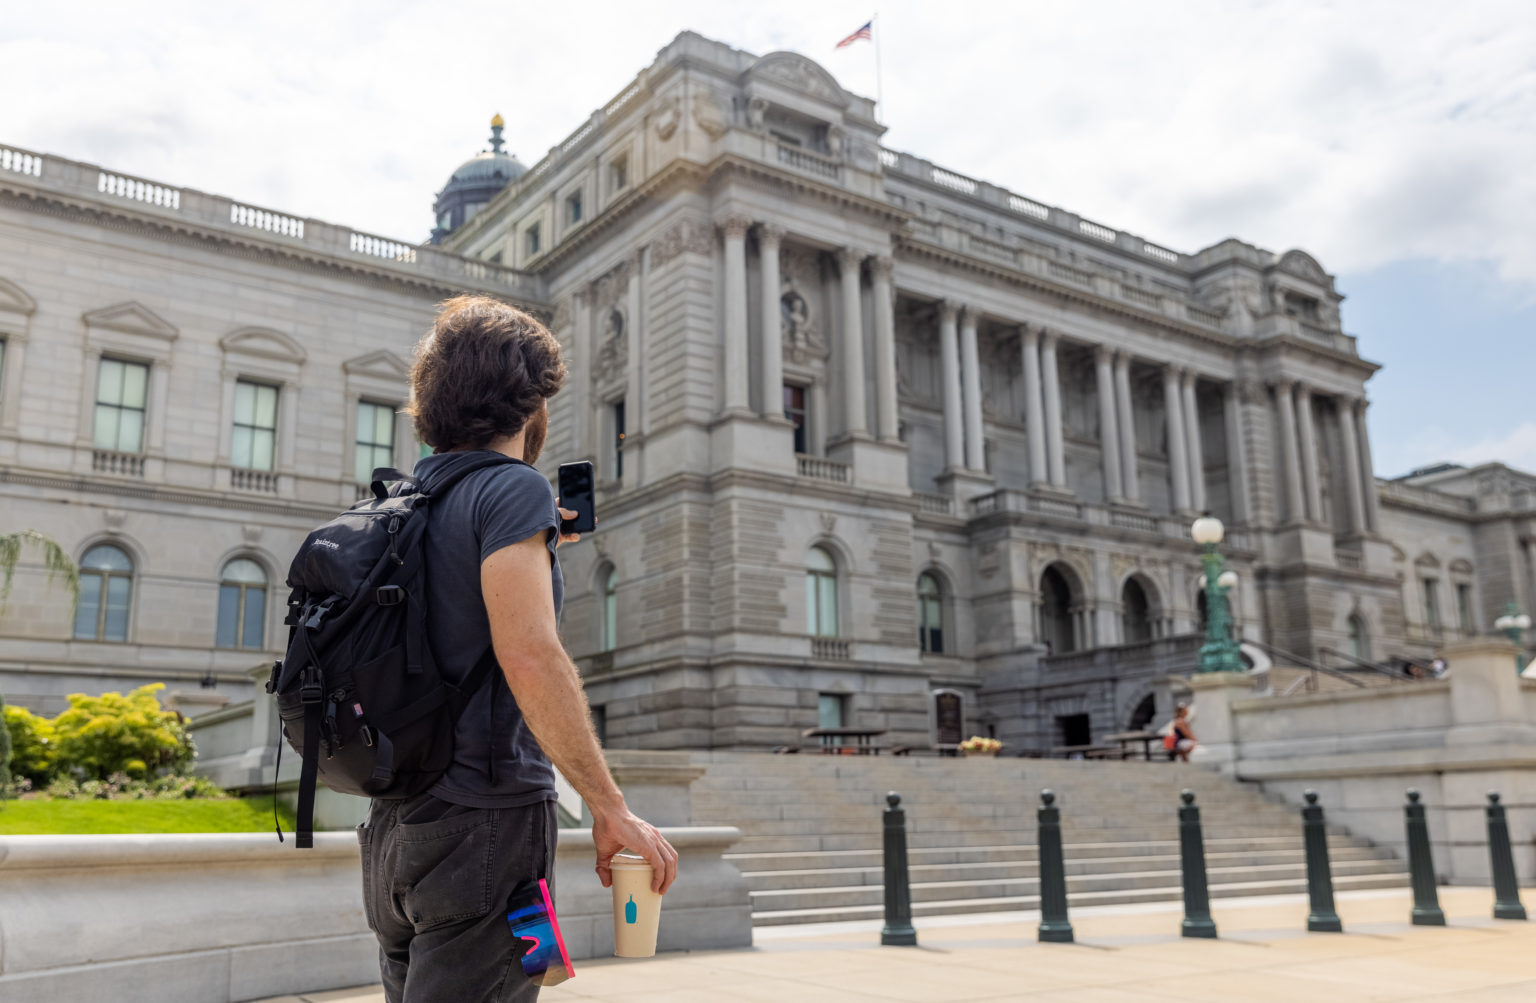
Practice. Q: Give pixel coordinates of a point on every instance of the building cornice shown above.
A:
(120, 488)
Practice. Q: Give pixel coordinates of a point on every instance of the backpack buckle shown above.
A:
(389, 595)
(310, 690)
(277, 669)
(319, 614)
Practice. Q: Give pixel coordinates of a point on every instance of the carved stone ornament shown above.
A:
(757, 111)
(710, 114)
(1303, 265)
(835, 141)
(801, 74)
(687, 237)
(800, 333)
(251, 533)
(613, 286)
(562, 316)
(668, 117)
(612, 349)
(828, 521)
(113, 518)
(934, 550)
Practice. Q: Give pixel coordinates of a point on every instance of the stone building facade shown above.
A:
(867, 429)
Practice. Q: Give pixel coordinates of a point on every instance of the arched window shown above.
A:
(1135, 612)
(930, 614)
(1359, 639)
(610, 634)
(1056, 612)
(242, 605)
(821, 593)
(106, 588)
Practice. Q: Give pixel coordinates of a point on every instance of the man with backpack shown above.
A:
(480, 580)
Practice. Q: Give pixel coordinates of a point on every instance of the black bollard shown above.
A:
(1506, 890)
(1197, 896)
(898, 931)
(1054, 927)
(1421, 865)
(1314, 833)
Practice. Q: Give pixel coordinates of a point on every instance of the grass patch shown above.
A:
(36, 816)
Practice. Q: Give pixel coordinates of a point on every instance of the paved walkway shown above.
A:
(1123, 955)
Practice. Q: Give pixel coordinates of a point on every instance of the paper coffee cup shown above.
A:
(636, 909)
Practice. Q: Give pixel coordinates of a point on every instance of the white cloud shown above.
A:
(1368, 132)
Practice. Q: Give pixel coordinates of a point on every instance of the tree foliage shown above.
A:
(55, 561)
(33, 751)
(113, 733)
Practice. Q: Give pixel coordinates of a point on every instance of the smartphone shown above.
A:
(531, 915)
(577, 484)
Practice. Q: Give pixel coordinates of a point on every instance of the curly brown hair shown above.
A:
(482, 372)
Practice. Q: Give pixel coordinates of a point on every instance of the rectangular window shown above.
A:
(254, 443)
(1432, 603)
(618, 173)
(120, 394)
(794, 410)
(618, 440)
(531, 242)
(375, 446)
(1464, 608)
(573, 209)
(831, 710)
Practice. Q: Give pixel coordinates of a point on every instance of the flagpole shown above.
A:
(879, 78)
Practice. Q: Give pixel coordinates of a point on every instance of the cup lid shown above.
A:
(629, 860)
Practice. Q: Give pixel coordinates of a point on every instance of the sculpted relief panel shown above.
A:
(801, 306)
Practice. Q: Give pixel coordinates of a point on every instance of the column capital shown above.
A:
(1048, 338)
(882, 266)
(969, 316)
(1029, 334)
(769, 234)
(1103, 353)
(1284, 385)
(851, 257)
(734, 224)
(949, 311)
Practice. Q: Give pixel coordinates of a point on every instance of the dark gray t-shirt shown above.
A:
(497, 763)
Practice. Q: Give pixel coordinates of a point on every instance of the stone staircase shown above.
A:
(811, 829)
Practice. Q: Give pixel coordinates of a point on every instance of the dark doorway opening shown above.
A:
(1142, 715)
(1056, 612)
(1074, 729)
(1136, 612)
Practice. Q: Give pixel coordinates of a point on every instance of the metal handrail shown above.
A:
(1306, 663)
(1394, 676)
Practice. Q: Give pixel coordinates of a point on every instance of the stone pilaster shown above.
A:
(1354, 490)
(970, 380)
(1310, 470)
(851, 259)
(1050, 385)
(1367, 469)
(1130, 476)
(1237, 456)
(1178, 455)
(1295, 503)
(1196, 450)
(1034, 407)
(772, 386)
(886, 414)
(1109, 438)
(735, 328)
(949, 368)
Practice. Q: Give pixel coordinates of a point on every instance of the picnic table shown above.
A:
(832, 740)
(1127, 738)
(1086, 751)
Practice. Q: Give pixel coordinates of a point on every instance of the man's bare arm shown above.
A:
(516, 584)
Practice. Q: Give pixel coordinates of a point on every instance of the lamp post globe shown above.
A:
(1207, 530)
(1227, 579)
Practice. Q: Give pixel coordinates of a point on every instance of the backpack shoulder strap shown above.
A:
(483, 458)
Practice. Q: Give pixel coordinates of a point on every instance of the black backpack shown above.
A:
(359, 682)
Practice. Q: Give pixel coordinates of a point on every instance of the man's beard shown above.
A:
(533, 437)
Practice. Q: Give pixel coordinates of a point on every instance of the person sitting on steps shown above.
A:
(1183, 734)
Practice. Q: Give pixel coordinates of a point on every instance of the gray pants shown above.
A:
(436, 880)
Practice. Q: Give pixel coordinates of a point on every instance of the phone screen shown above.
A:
(577, 483)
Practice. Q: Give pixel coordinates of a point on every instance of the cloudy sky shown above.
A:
(1394, 140)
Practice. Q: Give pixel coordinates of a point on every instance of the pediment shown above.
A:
(1427, 560)
(1303, 265)
(1462, 566)
(263, 342)
(131, 318)
(792, 70)
(14, 300)
(382, 363)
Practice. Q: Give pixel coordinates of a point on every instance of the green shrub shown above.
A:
(101, 736)
(32, 746)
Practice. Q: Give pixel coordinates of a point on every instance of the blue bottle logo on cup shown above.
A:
(630, 911)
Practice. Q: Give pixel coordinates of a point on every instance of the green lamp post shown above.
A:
(1514, 624)
(1219, 653)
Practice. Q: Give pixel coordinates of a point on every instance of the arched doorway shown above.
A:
(1056, 614)
(1142, 716)
(1135, 613)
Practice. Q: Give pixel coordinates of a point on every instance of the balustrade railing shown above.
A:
(263, 481)
(830, 648)
(148, 192)
(1096, 231)
(1142, 296)
(805, 160)
(106, 461)
(20, 162)
(266, 219)
(1132, 520)
(382, 247)
(940, 504)
(821, 469)
(1061, 270)
(1029, 207)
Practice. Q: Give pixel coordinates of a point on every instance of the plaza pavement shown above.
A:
(1123, 954)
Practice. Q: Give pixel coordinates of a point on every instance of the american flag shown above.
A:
(866, 33)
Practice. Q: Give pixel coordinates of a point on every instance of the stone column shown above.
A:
(1050, 385)
(1295, 506)
(1237, 455)
(1130, 477)
(1367, 469)
(1353, 489)
(1309, 465)
(1034, 408)
(735, 334)
(853, 342)
(949, 369)
(970, 381)
(772, 387)
(1109, 437)
(1178, 457)
(1196, 451)
(887, 417)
